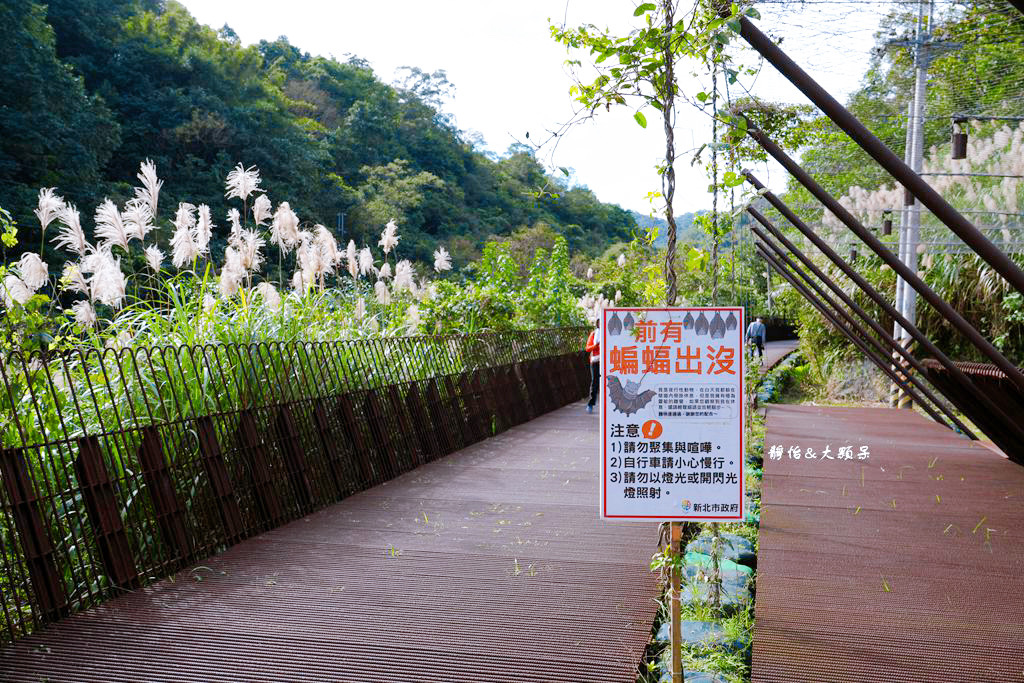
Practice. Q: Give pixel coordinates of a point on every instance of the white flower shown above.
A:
(365, 261)
(154, 258)
(413, 319)
(352, 257)
(326, 243)
(618, 295)
(590, 273)
(389, 237)
(209, 303)
(50, 205)
(249, 244)
(15, 291)
(241, 182)
(442, 260)
(84, 312)
(382, 292)
(284, 231)
(300, 283)
(404, 276)
(184, 249)
(110, 225)
(107, 284)
(261, 212)
(150, 190)
(185, 217)
(138, 219)
(204, 229)
(232, 273)
(385, 271)
(34, 273)
(74, 279)
(236, 226)
(360, 308)
(271, 298)
(71, 235)
(621, 260)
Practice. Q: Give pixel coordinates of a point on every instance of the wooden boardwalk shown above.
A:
(906, 566)
(486, 565)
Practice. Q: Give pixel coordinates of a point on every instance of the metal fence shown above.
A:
(121, 466)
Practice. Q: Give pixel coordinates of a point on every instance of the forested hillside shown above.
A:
(93, 87)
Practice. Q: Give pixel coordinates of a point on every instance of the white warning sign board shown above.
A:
(672, 414)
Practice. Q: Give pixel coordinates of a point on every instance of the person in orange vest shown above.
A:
(594, 349)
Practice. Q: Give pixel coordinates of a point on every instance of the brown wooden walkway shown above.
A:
(908, 566)
(486, 565)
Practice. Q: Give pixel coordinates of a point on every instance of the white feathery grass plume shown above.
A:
(138, 219)
(110, 225)
(15, 291)
(107, 284)
(241, 182)
(184, 249)
(423, 290)
(413, 318)
(249, 245)
(300, 283)
(73, 279)
(360, 308)
(269, 294)
(50, 205)
(284, 231)
(590, 273)
(71, 236)
(366, 261)
(326, 243)
(385, 271)
(232, 274)
(236, 227)
(442, 260)
(389, 237)
(154, 258)
(34, 273)
(261, 210)
(382, 292)
(150, 190)
(85, 314)
(352, 258)
(204, 229)
(209, 303)
(618, 295)
(621, 260)
(404, 276)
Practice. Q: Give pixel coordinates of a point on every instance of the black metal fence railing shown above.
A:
(120, 466)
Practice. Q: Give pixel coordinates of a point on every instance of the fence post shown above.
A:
(170, 513)
(409, 436)
(381, 431)
(327, 442)
(294, 458)
(355, 436)
(255, 451)
(220, 482)
(103, 510)
(35, 542)
(421, 423)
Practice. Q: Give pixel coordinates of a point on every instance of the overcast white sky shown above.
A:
(510, 80)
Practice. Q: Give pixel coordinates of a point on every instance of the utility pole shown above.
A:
(925, 50)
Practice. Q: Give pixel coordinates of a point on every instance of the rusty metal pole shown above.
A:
(927, 293)
(879, 361)
(862, 338)
(676, 637)
(887, 307)
(885, 157)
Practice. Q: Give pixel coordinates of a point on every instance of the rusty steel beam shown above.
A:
(859, 336)
(850, 334)
(909, 276)
(846, 299)
(912, 329)
(885, 157)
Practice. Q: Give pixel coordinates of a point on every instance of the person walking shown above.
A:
(757, 333)
(594, 349)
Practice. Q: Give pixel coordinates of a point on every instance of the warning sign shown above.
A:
(672, 414)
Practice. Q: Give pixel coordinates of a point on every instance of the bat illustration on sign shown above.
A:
(625, 399)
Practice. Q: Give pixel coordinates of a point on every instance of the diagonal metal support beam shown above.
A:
(857, 341)
(883, 303)
(909, 276)
(885, 157)
(863, 333)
